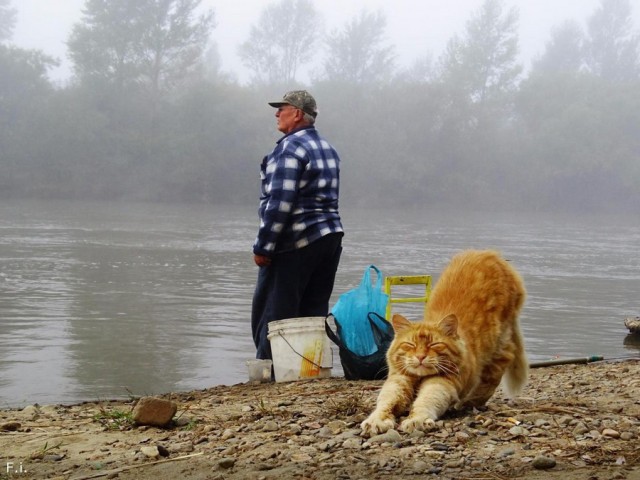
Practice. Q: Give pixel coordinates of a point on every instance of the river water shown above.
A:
(107, 300)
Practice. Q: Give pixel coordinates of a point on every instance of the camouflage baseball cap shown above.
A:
(300, 99)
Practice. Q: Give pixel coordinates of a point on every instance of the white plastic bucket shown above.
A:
(300, 349)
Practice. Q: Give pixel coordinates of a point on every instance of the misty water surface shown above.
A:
(100, 300)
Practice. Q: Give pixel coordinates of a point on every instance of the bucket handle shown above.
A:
(300, 355)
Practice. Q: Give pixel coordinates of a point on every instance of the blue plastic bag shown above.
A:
(352, 309)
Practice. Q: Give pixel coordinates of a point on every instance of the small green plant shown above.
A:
(187, 423)
(348, 406)
(114, 419)
(45, 450)
(132, 396)
(263, 408)
(193, 423)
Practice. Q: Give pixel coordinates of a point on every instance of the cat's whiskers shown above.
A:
(447, 367)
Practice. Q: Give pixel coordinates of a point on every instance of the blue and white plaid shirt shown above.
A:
(299, 193)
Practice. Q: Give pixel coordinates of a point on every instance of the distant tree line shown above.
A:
(149, 115)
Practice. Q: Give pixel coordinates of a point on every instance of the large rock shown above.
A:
(154, 411)
(633, 324)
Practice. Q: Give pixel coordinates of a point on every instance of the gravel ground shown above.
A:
(572, 422)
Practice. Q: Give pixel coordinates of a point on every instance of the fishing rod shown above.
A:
(569, 361)
(566, 361)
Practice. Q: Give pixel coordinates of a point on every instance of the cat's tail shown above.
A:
(517, 372)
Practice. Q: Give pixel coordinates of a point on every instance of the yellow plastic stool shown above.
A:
(406, 280)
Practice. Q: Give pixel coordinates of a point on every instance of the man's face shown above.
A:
(288, 118)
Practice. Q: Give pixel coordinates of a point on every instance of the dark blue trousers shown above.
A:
(296, 284)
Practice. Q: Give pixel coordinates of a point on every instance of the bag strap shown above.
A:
(331, 334)
(379, 334)
(366, 278)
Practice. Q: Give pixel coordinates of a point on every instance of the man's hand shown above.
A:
(262, 261)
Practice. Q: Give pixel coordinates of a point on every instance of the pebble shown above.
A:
(182, 421)
(10, 426)
(184, 447)
(507, 452)
(227, 434)
(352, 443)
(390, 436)
(518, 431)
(580, 429)
(270, 426)
(441, 447)
(336, 426)
(31, 410)
(151, 452)
(227, 462)
(542, 462)
(164, 452)
(610, 433)
(52, 458)
(565, 420)
(420, 466)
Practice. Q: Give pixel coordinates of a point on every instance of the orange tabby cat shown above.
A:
(456, 357)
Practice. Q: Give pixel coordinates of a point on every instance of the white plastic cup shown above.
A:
(259, 370)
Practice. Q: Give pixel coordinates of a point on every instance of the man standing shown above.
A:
(298, 245)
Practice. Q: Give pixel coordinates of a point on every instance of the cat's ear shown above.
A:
(449, 325)
(399, 323)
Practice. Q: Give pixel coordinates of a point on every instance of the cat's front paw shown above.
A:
(424, 424)
(376, 424)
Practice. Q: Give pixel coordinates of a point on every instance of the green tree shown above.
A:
(174, 43)
(24, 90)
(150, 43)
(357, 54)
(7, 20)
(130, 58)
(478, 77)
(564, 51)
(580, 141)
(23, 79)
(281, 42)
(613, 47)
(482, 65)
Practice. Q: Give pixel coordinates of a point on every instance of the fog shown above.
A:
(412, 27)
(492, 104)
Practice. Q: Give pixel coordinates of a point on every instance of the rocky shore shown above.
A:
(572, 422)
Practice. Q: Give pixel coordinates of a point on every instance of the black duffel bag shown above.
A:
(364, 367)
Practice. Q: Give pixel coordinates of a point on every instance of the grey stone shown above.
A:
(10, 426)
(543, 463)
(227, 462)
(390, 436)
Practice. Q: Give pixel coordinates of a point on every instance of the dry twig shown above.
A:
(132, 467)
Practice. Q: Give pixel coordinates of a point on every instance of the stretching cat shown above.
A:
(457, 356)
